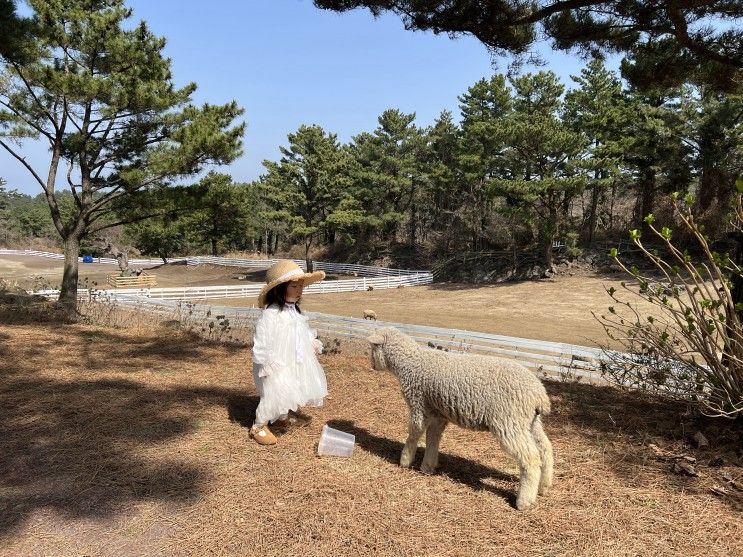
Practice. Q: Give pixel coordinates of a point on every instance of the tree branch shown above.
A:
(24, 163)
(547, 11)
(33, 95)
(681, 32)
(123, 221)
(38, 129)
(72, 186)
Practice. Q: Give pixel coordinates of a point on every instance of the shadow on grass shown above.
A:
(448, 286)
(92, 446)
(241, 409)
(624, 424)
(467, 472)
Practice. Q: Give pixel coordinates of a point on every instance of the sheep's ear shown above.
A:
(376, 339)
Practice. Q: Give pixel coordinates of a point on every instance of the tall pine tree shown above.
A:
(307, 183)
(104, 100)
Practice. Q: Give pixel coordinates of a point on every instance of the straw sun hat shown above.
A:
(286, 271)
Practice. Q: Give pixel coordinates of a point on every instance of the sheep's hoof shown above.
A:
(522, 504)
(427, 469)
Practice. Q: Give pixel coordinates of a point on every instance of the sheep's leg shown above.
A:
(545, 452)
(518, 442)
(416, 427)
(433, 437)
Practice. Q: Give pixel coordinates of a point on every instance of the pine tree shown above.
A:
(655, 153)
(222, 213)
(676, 40)
(541, 176)
(15, 33)
(484, 108)
(596, 108)
(445, 187)
(103, 98)
(307, 183)
(715, 130)
(388, 171)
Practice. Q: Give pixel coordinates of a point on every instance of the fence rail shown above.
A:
(101, 260)
(141, 281)
(252, 290)
(548, 359)
(341, 268)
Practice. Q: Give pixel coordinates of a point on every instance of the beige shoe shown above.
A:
(262, 435)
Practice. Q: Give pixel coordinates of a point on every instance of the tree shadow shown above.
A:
(624, 424)
(451, 286)
(259, 275)
(93, 446)
(462, 470)
(241, 409)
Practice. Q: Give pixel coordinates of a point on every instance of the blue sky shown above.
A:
(288, 63)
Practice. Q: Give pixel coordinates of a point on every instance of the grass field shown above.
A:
(134, 442)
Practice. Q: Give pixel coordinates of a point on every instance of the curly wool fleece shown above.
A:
(475, 392)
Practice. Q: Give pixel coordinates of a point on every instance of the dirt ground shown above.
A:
(134, 442)
(556, 309)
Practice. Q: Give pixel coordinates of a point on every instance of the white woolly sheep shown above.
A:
(475, 392)
(370, 314)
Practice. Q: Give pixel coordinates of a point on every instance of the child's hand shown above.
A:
(317, 346)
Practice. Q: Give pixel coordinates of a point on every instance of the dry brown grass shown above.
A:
(134, 442)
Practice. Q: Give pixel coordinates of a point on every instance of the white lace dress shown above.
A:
(285, 368)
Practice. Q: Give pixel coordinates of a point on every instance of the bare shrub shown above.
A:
(692, 347)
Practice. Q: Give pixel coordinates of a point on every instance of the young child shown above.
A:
(285, 368)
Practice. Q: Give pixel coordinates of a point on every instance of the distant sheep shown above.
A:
(370, 314)
(475, 392)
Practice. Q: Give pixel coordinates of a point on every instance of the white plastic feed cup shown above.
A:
(335, 443)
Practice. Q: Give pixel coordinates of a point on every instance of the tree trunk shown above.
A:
(548, 258)
(214, 247)
(413, 224)
(122, 258)
(307, 259)
(68, 290)
(647, 198)
(592, 216)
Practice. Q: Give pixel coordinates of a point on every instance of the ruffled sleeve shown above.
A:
(263, 355)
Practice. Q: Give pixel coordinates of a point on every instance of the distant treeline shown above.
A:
(525, 164)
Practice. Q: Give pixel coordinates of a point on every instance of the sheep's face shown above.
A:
(378, 360)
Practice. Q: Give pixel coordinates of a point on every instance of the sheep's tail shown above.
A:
(543, 404)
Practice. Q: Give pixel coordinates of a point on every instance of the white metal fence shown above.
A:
(251, 290)
(369, 278)
(341, 268)
(102, 260)
(549, 359)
